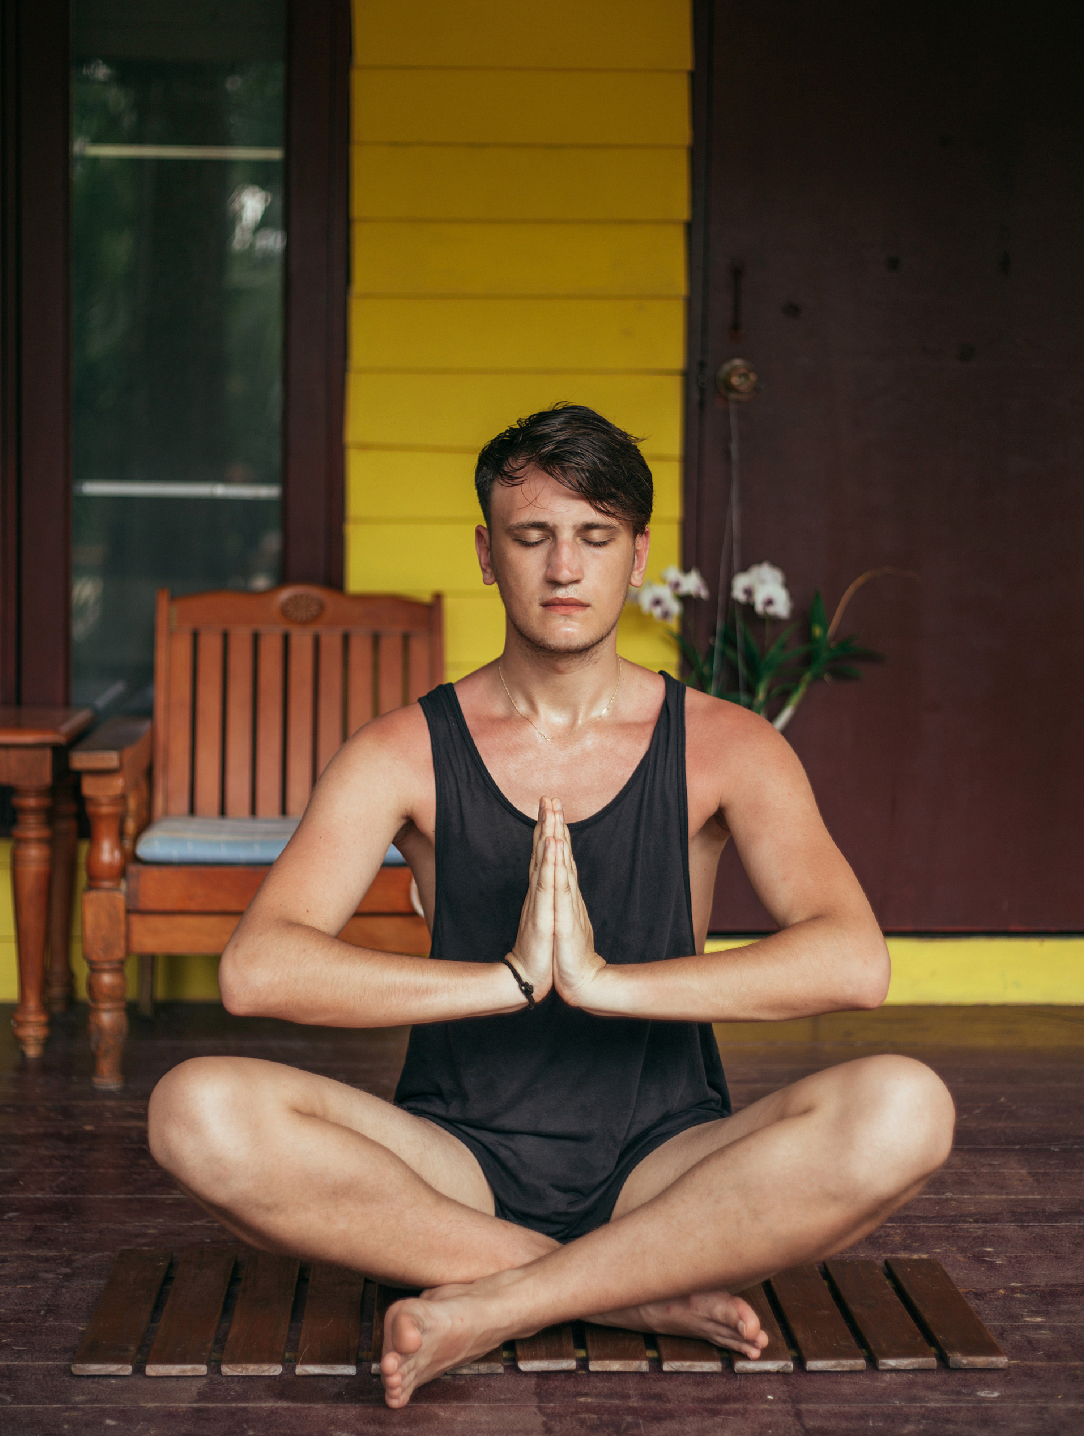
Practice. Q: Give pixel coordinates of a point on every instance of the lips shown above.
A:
(564, 605)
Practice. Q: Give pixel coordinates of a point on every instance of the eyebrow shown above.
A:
(607, 524)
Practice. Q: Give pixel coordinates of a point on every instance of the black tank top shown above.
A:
(559, 1105)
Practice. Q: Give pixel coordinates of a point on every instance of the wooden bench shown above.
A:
(254, 695)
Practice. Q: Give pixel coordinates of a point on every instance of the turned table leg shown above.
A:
(58, 977)
(105, 936)
(31, 866)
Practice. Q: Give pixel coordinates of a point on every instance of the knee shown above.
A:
(192, 1117)
(907, 1118)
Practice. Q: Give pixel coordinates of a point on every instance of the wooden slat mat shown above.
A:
(178, 1314)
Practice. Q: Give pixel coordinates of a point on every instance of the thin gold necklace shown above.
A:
(545, 736)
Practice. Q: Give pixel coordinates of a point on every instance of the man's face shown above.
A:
(563, 568)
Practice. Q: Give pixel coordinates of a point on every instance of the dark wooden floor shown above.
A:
(1006, 1217)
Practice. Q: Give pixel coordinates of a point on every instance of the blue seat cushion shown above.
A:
(241, 841)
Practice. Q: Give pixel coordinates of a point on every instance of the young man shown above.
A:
(561, 1144)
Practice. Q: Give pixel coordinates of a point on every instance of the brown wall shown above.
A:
(909, 179)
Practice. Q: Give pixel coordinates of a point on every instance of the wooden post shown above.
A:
(105, 925)
(58, 978)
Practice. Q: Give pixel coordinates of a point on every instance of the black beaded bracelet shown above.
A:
(525, 987)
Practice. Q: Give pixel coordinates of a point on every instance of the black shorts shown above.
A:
(528, 1207)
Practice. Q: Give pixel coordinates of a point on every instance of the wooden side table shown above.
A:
(33, 760)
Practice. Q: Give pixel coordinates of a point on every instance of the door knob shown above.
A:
(736, 379)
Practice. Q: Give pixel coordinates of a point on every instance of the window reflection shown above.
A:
(178, 241)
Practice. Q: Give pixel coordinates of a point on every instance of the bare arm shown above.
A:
(829, 955)
(285, 958)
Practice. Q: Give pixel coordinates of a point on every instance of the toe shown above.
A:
(747, 1321)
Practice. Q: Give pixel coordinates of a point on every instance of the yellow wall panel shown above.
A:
(524, 334)
(977, 970)
(399, 557)
(465, 411)
(474, 626)
(557, 34)
(667, 476)
(521, 107)
(405, 484)
(392, 257)
(411, 485)
(987, 969)
(643, 640)
(510, 182)
(9, 967)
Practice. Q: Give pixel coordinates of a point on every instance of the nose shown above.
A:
(564, 563)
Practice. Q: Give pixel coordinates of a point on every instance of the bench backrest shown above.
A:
(256, 692)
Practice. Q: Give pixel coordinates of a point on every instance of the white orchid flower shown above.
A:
(765, 587)
(772, 600)
(658, 600)
(684, 585)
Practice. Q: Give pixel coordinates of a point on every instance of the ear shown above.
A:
(485, 557)
(642, 544)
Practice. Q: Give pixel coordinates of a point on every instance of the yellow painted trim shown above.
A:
(531, 335)
(521, 107)
(465, 411)
(978, 970)
(514, 182)
(531, 261)
(559, 34)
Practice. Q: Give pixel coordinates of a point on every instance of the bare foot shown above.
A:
(713, 1316)
(428, 1335)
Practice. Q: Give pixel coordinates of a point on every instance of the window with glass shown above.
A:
(178, 249)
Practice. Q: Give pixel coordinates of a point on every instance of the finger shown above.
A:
(566, 875)
(568, 862)
(539, 836)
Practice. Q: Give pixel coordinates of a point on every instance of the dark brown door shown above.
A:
(902, 186)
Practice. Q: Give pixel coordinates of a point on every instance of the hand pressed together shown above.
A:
(555, 945)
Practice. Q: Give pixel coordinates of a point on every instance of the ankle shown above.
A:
(507, 1302)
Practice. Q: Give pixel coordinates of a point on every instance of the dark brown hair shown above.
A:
(580, 449)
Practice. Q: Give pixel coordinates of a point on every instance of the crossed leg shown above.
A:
(294, 1162)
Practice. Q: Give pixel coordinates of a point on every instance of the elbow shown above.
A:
(238, 982)
(872, 976)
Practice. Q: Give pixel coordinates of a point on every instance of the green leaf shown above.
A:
(818, 619)
(699, 677)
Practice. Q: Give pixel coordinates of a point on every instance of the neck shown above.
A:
(560, 690)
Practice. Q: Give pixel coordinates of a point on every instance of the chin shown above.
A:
(545, 640)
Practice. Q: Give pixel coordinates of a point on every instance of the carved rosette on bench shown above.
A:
(301, 607)
(254, 695)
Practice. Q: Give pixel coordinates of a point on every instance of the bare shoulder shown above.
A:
(403, 733)
(394, 746)
(381, 778)
(728, 749)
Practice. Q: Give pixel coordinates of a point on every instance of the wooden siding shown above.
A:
(519, 200)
